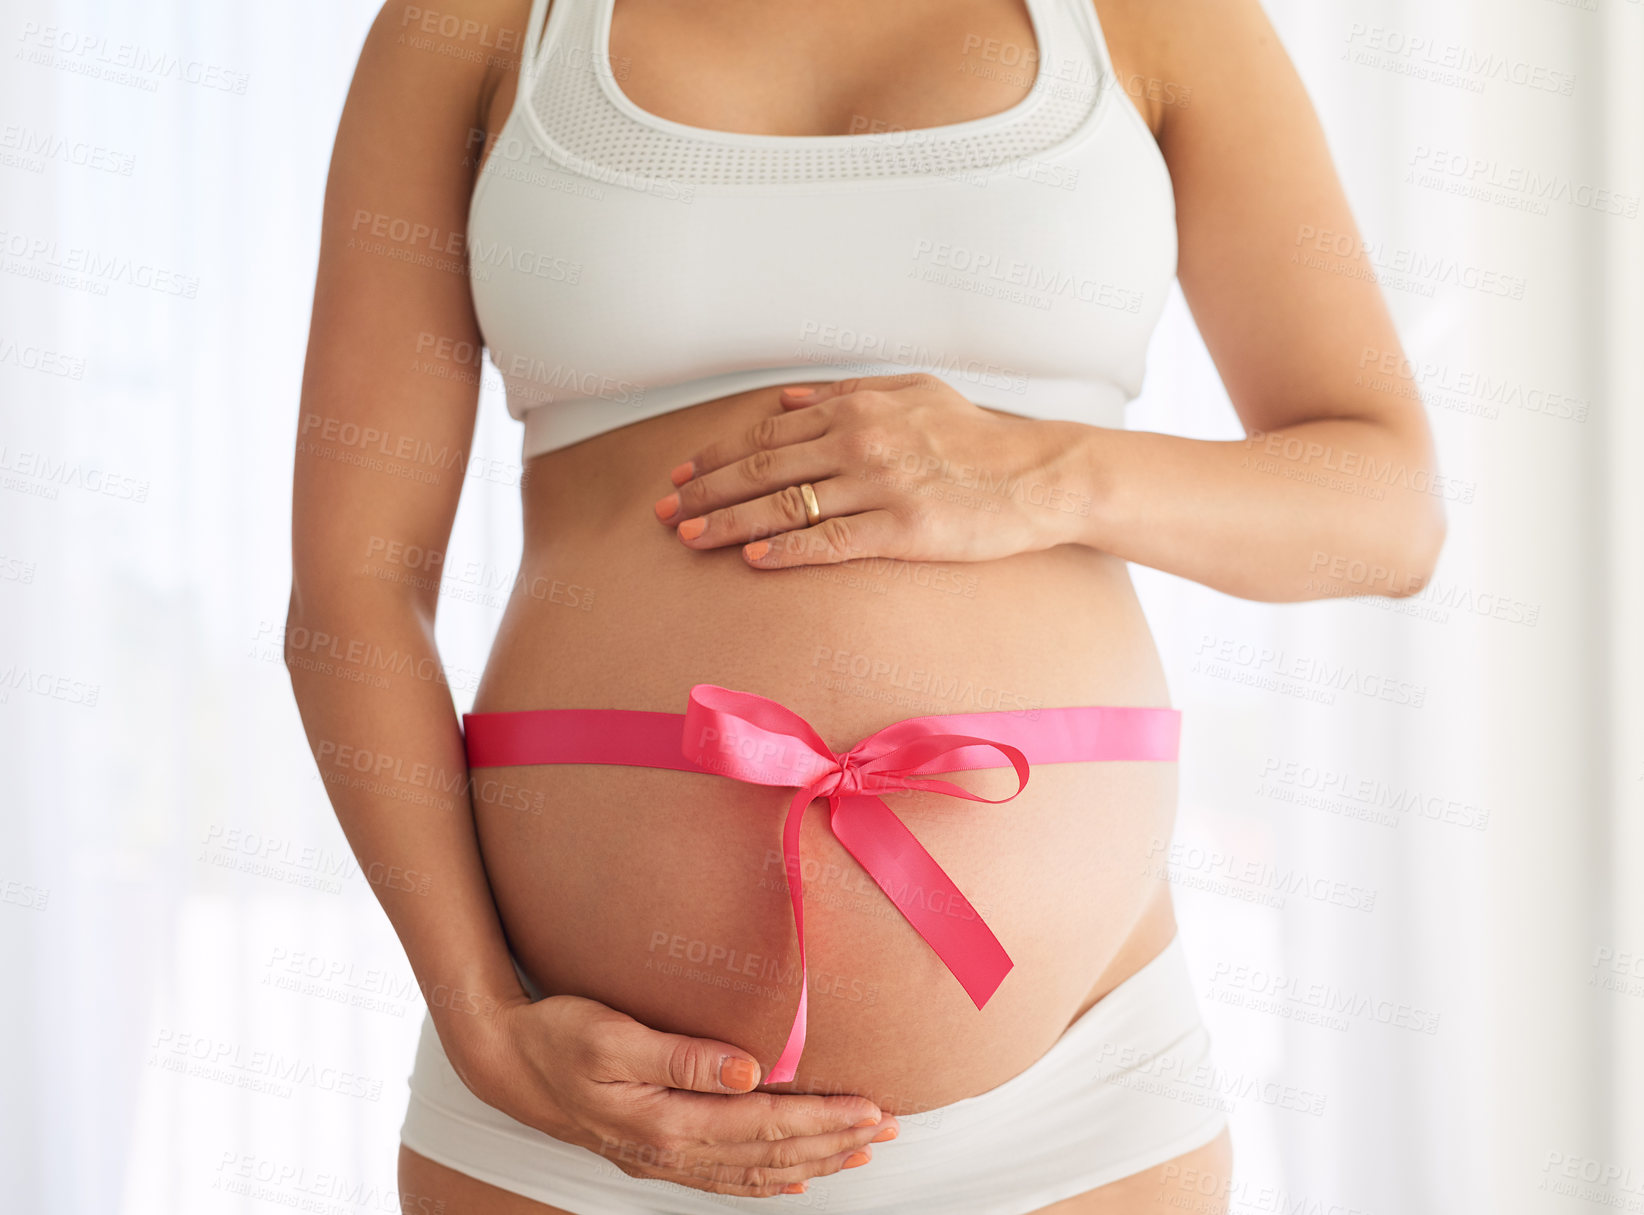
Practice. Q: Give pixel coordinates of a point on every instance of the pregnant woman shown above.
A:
(801, 849)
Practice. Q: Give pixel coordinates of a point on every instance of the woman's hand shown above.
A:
(658, 1104)
(901, 466)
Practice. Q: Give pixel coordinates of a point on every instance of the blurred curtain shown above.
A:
(1406, 864)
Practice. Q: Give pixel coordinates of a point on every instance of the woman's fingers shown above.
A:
(755, 1119)
(775, 513)
(691, 1079)
(769, 1181)
(659, 1104)
(758, 1181)
(873, 533)
(762, 472)
(745, 1144)
(823, 1153)
(769, 433)
(776, 1130)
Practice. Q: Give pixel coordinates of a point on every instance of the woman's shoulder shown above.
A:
(468, 47)
(1166, 51)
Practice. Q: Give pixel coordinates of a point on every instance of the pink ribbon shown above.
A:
(751, 738)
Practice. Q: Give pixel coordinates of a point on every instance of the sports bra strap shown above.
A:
(533, 33)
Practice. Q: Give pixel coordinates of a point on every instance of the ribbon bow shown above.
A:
(753, 739)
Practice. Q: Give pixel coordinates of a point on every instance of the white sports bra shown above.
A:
(624, 265)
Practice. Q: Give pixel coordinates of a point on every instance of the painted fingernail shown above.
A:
(855, 1160)
(888, 1133)
(866, 1122)
(682, 473)
(800, 392)
(692, 528)
(737, 1073)
(667, 507)
(795, 1187)
(757, 549)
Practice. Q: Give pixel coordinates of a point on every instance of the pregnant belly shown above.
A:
(663, 893)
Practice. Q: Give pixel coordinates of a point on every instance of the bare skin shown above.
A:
(572, 889)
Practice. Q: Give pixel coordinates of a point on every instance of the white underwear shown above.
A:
(1126, 1087)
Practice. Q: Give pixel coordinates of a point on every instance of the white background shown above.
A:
(167, 853)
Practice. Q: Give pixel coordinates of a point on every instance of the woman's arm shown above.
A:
(1334, 490)
(391, 285)
(381, 459)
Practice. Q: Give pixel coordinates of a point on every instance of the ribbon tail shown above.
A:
(912, 880)
(788, 1061)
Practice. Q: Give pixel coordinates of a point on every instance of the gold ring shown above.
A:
(813, 512)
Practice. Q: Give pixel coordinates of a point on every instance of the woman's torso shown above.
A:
(662, 893)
